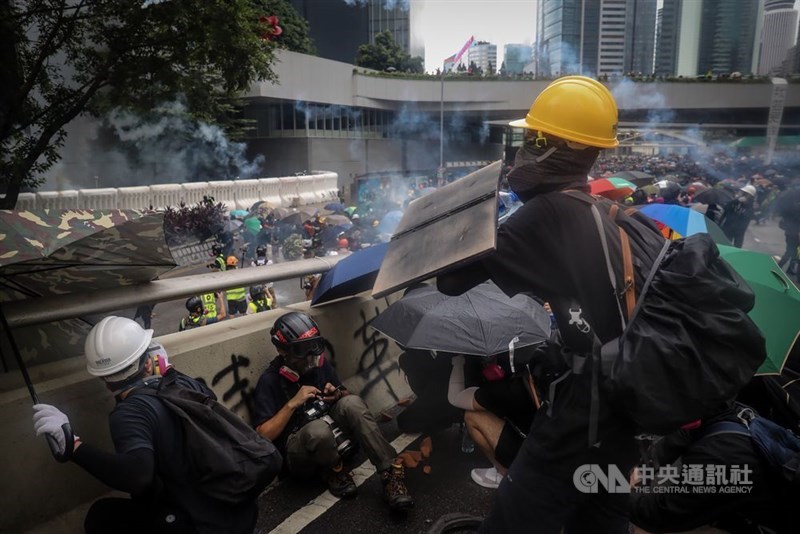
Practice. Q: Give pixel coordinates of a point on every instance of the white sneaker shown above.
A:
(488, 478)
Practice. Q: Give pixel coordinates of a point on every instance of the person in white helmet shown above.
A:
(738, 214)
(149, 462)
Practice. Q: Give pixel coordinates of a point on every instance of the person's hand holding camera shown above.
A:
(331, 393)
(300, 398)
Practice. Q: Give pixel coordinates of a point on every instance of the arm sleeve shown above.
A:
(132, 472)
(457, 394)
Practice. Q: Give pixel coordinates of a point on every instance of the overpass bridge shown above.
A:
(324, 114)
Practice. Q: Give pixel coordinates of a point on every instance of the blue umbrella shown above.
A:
(334, 206)
(390, 222)
(352, 275)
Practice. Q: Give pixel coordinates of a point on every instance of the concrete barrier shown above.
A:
(318, 187)
(192, 193)
(229, 356)
(136, 198)
(98, 199)
(57, 200)
(165, 195)
(223, 191)
(26, 201)
(305, 190)
(271, 191)
(288, 191)
(247, 193)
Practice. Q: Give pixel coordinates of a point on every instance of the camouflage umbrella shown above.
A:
(51, 252)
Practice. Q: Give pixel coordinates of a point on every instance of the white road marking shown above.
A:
(318, 506)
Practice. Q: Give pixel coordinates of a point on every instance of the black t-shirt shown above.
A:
(143, 422)
(273, 391)
(550, 247)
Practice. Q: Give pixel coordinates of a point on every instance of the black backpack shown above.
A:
(776, 445)
(688, 346)
(229, 460)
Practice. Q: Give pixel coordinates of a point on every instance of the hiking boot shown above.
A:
(487, 478)
(394, 487)
(341, 483)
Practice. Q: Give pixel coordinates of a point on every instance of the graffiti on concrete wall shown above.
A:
(375, 350)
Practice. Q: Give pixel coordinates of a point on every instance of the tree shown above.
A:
(490, 68)
(386, 55)
(63, 58)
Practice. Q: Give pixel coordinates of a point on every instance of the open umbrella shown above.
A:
(298, 217)
(350, 210)
(352, 275)
(232, 225)
(682, 222)
(334, 206)
(239, 213)
(613, 188)
(637, 177)
(714, 195)
(337, 220)
(390, 221)
(260, 206)
(280, 213)
(482, 321)
(50, 252)
(777, 305)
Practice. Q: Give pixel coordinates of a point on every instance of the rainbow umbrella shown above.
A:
(678, 221)
(612, 188)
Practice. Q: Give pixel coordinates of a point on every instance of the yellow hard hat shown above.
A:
(575, 108)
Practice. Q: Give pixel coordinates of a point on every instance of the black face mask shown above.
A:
(539, 170)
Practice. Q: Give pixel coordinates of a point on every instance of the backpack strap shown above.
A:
(723, 427)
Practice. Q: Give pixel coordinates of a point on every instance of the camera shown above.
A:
(318, 409)
(344, 445)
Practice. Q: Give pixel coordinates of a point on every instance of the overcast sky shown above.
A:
(447, 24)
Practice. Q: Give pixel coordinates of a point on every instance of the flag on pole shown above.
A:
(464, 49)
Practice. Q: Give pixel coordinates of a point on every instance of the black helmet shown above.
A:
(216, 249)
(261, 250)
(297, 334)
(257, 292)
(193, 303)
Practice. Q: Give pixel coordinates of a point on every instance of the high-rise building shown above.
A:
(640, 31)
(484, 55)
(730, 30)
(779, 34)
(400, 18)
(697, 37)
(329, 39)
(568, 37)
(516, 57)
(595, 36)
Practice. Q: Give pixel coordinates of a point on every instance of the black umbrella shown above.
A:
(714, 195)
(483, 321)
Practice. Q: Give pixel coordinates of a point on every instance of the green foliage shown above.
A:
(63, 58)
(385, 54)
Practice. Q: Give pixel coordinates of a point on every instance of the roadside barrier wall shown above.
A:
(229, 356)
(287, 191)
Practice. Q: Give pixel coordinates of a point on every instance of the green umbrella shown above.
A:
(777, 307)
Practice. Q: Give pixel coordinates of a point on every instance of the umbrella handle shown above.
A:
(69, 437)
(781, 280)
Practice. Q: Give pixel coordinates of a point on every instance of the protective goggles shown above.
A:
(308, 347)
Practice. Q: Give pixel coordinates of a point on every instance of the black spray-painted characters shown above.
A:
(239, 386)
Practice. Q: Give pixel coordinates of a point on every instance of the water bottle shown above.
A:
(467, 445)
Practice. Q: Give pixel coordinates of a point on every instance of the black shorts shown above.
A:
(237, 306)
(508, 399)
(508, 444)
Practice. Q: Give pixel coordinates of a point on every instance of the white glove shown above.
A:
(48, 419)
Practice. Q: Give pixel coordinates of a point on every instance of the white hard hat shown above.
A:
(114, 344)
(750, 190)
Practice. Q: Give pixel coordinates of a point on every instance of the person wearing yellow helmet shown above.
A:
(550, 247)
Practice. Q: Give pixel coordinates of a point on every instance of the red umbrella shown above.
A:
(612, 188)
